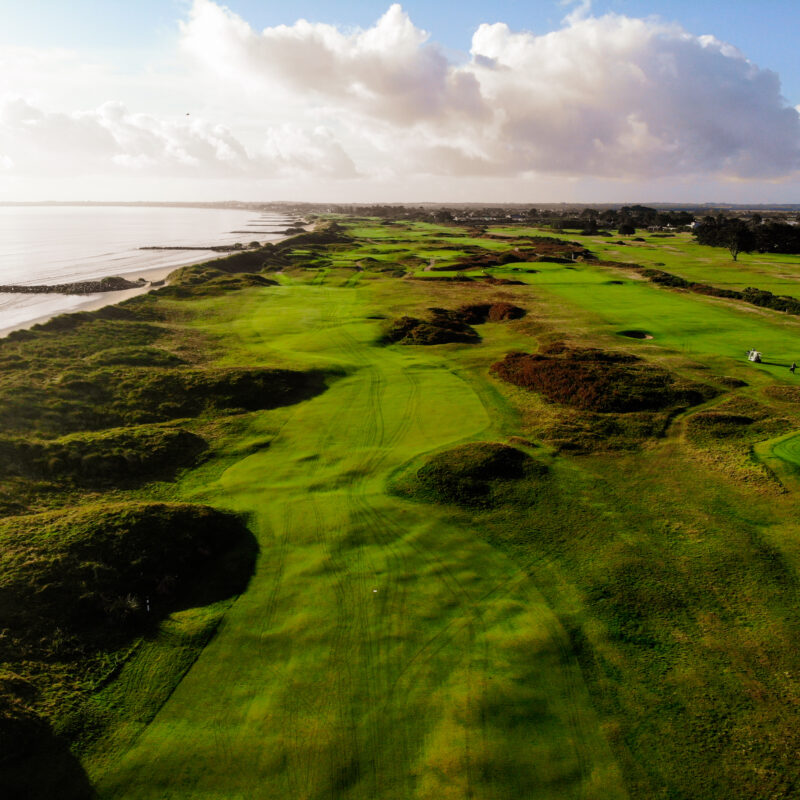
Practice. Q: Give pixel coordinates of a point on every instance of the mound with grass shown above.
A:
(599, 381)
(442, 327)
(119, 456)
(77, 586)
(480, 474)
(109, 397)
(171, 394)
(89, 572)
(490, 312)
(785, 394)
(209, 278)
(134, 357)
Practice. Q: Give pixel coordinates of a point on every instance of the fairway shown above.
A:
(380, 650)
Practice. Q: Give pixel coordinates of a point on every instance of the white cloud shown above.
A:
(602, 98)
(610, 96)
(110, 138)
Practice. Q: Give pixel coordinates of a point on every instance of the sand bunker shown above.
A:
(635, 334)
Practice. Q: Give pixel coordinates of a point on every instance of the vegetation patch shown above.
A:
(89, 572)
(490, 312)
(110, 398)
(76, 588)
(601, 381)
(723, 437)
(786, 394)
(134, 357)
(119, 456)
(442, 327)
(202, 280)
(480, 474)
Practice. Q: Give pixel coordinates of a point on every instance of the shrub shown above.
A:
(596, 380)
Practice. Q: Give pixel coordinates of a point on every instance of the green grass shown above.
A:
(681, 255)
(722, 331)
(789, 450)
(380, 650)
(606, 625)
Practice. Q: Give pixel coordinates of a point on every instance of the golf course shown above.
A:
(472, 513)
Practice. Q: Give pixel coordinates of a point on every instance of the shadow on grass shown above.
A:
(49, 771)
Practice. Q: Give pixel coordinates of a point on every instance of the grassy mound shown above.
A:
(204, 280)
(490, 312)
(111, 397)
(33, 762)
(184, 393)
(134, 357)
(600, 381)
(480, 474)
(718, 424)
(82, 578)
(785, 394)
(117, 456)
(442, 327)
(77, 587)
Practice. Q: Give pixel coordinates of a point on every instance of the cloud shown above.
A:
(608, 96)
(602, 97)
(112, 139)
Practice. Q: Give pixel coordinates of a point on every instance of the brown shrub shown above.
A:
(443, 327)
(491, 312)
(597, 380)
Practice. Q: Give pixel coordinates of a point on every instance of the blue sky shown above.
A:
(639, 106)
(766, 30)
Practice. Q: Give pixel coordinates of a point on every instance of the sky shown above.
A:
(530, 101)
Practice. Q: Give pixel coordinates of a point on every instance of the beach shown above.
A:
(46, 246)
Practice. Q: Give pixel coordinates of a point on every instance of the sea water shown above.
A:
(64, 244)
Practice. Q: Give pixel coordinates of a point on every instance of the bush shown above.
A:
(443, 327)
(596, 380)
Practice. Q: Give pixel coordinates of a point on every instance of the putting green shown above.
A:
(788, 449)
(380, 651)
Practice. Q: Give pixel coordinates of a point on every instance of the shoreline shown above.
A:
(94, 302)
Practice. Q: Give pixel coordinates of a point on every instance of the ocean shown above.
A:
(62, 244)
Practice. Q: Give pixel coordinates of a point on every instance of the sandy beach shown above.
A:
(54, 304)
(42, 246)
(90, 302)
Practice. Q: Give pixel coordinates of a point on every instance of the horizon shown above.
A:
(406, 203)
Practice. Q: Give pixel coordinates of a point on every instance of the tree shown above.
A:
(738, 237)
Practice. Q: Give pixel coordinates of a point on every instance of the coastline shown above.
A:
(95, 301)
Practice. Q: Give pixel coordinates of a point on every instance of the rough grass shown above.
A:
(109, 397)
(599, 381)
(478, 313)
(481, 474)
(116, 457)
(89, 572)
(441, 327)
